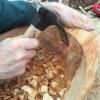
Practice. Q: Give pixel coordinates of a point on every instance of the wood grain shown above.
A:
(85, 76)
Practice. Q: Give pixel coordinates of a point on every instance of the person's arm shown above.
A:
(68, 16)
(14, 14)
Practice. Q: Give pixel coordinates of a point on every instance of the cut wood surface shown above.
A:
(85, 76)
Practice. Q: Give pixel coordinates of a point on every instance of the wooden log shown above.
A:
(85, 75)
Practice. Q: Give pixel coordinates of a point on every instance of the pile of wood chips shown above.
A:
(44, 80)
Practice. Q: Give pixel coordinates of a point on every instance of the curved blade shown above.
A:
(63, 34)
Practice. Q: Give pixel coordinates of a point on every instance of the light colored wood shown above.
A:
(85, 76)
(31, 32)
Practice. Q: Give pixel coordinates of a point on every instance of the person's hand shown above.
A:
(69, 16)
(15, 53)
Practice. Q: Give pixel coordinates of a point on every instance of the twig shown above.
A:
(82, 9)
(88, 8)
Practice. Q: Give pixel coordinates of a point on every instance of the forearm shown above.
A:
(14, 14)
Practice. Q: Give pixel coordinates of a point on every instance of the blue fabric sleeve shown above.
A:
(14, 14)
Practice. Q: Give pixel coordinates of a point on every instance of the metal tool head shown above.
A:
(45, 18)
(63, 33)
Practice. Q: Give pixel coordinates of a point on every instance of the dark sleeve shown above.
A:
(14, 14)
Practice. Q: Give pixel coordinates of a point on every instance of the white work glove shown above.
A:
(69, 16)
(15, 53)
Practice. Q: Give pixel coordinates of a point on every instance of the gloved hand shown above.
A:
(68, 16)
(15, 53)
